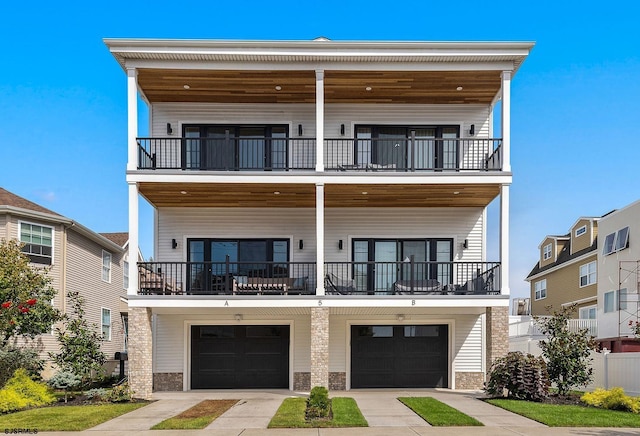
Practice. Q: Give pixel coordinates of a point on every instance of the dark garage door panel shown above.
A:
(399, 356)
(239, 357)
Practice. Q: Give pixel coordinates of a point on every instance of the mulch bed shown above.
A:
(207, 408)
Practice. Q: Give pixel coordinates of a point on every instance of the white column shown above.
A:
(132, 120)
(319, 239)
(504, 239)
(506, 120)
(320, 120)
(133, 239)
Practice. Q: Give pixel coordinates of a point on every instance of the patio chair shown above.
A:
(338, 285)
(427, 287)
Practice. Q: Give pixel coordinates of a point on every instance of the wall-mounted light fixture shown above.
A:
(472, 130)
(169, 129)
(400, 317)
(342, 129)
(465, 244)
(238, 316)
(300, 244)
(299, 129)
(174, 244)
(340, 244)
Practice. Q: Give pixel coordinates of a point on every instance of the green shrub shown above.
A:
(10, 401)
(36, 393)
(519, 376)
(613, 399)
(64, 380)
(14, 358)
(318, 404)
(120, 393)
(97, 394)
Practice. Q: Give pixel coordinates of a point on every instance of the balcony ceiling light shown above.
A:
(459, 88)
(278, 87)
(368, 88)
(185, 86)
(364, 192)
(183, 192)
(456, 192)
(276, 192)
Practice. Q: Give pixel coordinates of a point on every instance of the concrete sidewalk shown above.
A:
(385, 414)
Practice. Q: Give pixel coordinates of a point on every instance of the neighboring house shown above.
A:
(320, 212)
(619, 278)
(566, 273)
(78, 260)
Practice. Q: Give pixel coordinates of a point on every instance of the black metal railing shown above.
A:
(226, 278)
(411, 277)
(343, 154)
(412, 154)
(299, 278)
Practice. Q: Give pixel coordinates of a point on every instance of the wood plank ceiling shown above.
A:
(218, 86)
(303, 195)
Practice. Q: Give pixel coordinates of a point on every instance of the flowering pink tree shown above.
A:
(25, 296)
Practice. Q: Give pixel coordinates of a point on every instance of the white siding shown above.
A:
(168, 343)
(467, 353)
(345, 224)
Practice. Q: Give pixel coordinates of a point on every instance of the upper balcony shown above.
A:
(252, 153)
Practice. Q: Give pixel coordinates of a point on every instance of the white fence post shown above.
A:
(605, 355)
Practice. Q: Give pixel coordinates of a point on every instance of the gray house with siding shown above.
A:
(78, 259)
(320, 212)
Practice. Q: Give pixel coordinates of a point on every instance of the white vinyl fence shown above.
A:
(612, 370)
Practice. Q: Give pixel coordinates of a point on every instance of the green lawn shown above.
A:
(197, 417)
(555, 415)
(66, 418)
(291, 415)
(437, 413)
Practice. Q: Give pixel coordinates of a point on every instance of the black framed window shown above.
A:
(235, 147)
(433, 147)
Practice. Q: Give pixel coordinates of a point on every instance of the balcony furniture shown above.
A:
(338, 285)
(476, 286)
(156, 283)
(425, 287)
(270, 285)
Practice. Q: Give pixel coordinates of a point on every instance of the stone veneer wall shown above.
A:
(140, 348)
(320, 346)
(337, 381)
(167, 381)
(497, 333)
(469, 380)
(302, 381)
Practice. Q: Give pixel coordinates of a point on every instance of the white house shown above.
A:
(320, 212)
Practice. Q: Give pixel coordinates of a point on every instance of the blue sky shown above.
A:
(575, 114)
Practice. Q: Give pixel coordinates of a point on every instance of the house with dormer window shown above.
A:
(320, 212)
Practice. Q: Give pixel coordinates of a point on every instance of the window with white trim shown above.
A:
(581, 231)
(125, 274)
(588, 274)
(616, 241)
(106, 324)
(588, 312)
(540, 289)
(106, 266)
(38, 242)
(546, 252)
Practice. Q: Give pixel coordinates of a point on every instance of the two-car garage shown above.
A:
(257, 356)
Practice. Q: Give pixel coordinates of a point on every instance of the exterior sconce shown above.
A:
(299, 129)
(174, 244)
(238, 317)
(169, 129)
(342, 129)
(465, 244)
(340, 244)
(400, 317)
(300, 244)
(472, 130)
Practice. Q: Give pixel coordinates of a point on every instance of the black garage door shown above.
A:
(236, 357)
(411, 356)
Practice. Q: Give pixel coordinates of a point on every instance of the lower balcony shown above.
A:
(408, 277)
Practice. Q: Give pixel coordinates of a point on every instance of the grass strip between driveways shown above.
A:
(197, 417)
(556, 415)
(66, 418)
(290, 414)
(437, 413)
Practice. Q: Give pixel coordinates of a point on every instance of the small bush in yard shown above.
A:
(14, 358)
(522, 377)
(613, 399)
(120, 393)
(21, 392)
(65, 381)
(97, 394)
(318, 404)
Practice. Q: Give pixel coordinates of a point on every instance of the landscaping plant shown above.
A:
(520, 376)
(21, 392)
(567, 353)
(12, 358)
(318, 403)
(65, 381)
(613, 399)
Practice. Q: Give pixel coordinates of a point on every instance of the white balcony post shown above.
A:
(133, 239)
(504, 240)
(319, 239)
(319, 120)
(506, 121)
(132, 109)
